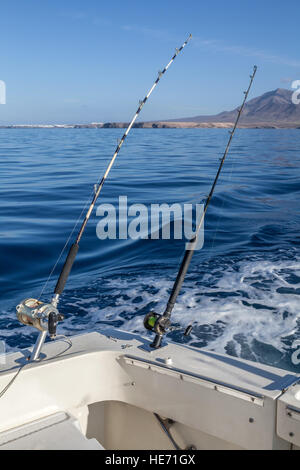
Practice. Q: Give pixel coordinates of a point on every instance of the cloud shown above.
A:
(216, 46)
(220, 46)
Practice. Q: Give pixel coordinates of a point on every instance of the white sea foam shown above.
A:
(233, 304)
(252, 300)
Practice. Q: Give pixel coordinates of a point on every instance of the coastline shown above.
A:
(159, 125)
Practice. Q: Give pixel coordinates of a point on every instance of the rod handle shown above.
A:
(66, 269)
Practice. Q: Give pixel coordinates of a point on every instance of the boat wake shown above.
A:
(248, 309)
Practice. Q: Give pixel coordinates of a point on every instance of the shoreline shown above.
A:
(158, 125)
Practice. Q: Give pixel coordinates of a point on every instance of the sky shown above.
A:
(75, 61)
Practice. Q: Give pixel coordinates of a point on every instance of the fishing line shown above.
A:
(65, 245)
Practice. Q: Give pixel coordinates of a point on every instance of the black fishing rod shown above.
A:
(43, 316)
(160, 323)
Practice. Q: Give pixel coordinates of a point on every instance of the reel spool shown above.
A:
(43, 317)
(150, 320)
(159, 325)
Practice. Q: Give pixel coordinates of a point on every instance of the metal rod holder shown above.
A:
(38, 346)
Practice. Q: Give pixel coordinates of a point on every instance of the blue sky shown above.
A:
(83, 61)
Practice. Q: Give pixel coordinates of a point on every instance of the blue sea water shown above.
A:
(243, 288)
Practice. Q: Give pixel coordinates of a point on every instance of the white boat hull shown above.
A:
(109, 391)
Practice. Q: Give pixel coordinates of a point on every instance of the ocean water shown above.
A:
(242, 290)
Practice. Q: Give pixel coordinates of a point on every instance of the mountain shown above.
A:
(272, 107)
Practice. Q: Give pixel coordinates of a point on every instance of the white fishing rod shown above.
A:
(74, 248)
(43, 316)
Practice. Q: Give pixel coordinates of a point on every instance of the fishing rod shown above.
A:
(43, 316)
(160, 323)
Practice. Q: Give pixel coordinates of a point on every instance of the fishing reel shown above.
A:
(43, 317)
(159, 324)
